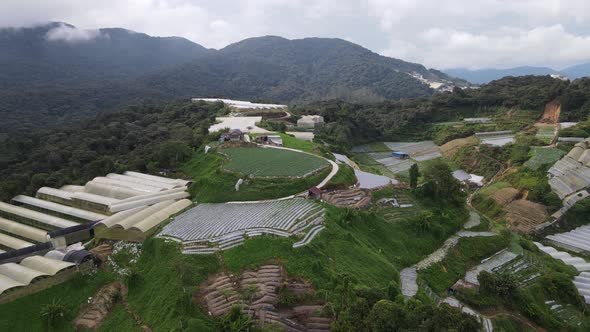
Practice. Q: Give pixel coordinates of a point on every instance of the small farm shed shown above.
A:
(468, 179)
(275, 140)
(310, 121)
(400, 155)
(315, 192)
(234, 135)
(477, 120)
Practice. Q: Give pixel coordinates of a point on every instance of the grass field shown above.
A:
(212, 185)
(543, 156)
(267, 162)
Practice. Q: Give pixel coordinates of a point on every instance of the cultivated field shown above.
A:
(543, 156)
(267, 162)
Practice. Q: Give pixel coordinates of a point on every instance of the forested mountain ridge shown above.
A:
(59, 53)
(54, 73)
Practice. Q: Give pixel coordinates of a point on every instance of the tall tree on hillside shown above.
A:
(414, 174)
(440, 183)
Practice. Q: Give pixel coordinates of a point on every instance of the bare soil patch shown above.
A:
(268, 295)
(505, 195)
(523, 215)
(551, 113)
(106, 297)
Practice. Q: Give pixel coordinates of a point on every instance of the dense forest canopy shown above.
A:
(145, 138)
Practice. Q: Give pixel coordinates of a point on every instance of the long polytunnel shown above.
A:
(147, 201)
(72, 188)
(110, 190)
(92, 202)
(12, 242)
(157, 178)
(23, 230)
(143, 182)
(55, 195)
(7, 283)
(46, 265)
(152, 195)
(156, 218)
(115, 218)
(20, 273)
(135, 218)
(26, 214)
(58, 208)
(126, 184)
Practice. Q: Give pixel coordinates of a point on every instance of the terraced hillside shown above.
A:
(211, 227)
(268, 162)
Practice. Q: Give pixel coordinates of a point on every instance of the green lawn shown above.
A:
(213, 185)
(543, 156)
(268, 162)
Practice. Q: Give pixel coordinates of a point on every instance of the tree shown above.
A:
(387, 316)
(414, 174)
(440, 183)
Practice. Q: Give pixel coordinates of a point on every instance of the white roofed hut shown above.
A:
(310, 121)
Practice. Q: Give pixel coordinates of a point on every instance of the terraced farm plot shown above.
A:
(268, 162)
(543, 156)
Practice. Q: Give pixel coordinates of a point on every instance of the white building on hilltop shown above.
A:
(310, 121)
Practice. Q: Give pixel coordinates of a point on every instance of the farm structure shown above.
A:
(274, 140)
(468, 179)
(246, 124)
(233, 135)
(577, 240)
(477, 120)
(400, 155)
(271, 162)
(570, 139)
(53, 213)
(582, 281)
(40, 270)
(495, 138)
(396, 159)
(571, 173)
(241, 104)
(207, 228)
(310, 121)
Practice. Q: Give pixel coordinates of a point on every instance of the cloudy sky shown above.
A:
(438, 33)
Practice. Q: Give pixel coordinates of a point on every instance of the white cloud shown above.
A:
(438, 33)
(484, 33)
(71, 34)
